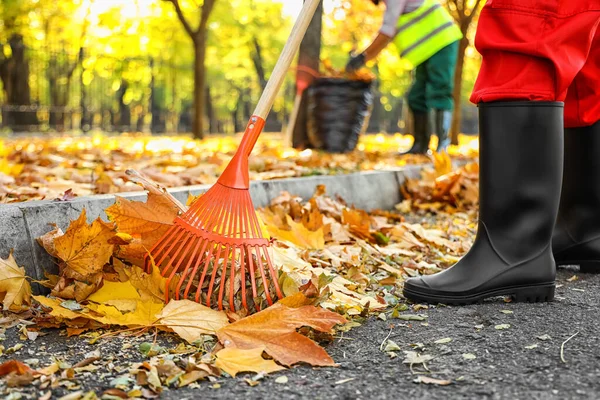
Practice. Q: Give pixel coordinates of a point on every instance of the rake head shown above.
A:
(216, 252)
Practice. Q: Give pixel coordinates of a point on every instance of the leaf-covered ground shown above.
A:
(522, 361)
(337, 265)
(47, 167)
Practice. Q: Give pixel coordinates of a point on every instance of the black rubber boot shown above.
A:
(521, 157)
(443, 119)
(422, 134)
(576, 239)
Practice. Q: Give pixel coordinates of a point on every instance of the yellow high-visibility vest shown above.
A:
(423, 32)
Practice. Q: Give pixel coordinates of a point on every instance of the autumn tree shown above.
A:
(199, 38)
(14, 64)
(465, 13)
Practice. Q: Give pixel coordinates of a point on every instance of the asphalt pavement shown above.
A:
(494, 350)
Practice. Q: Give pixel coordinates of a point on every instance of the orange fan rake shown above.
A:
(216, 252)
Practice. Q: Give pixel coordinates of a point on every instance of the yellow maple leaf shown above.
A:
(191, 320)
(84, 248)
(144, 314)
(151, 287)
(58, 311)
(111, 291)
(299, 235)
(15, 290)
(233, 361)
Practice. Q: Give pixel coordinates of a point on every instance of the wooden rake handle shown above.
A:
(236, 174)
(285, 59)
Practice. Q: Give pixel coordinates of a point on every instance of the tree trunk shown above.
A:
(86, 118)
(14, 72)
(210, 112)
(199, 83)
(258, 63)
(124, 124)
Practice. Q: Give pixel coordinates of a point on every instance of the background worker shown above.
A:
(427, 37)
(539, 105)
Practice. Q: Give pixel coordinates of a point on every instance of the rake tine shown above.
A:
(205, 270)
(187, 269)
(180, 260)
(156, 249)
(254, 225)
(223, 278)
(206, 212)
(243, 272)
(166, 253)
(236, 226)
(196, 266)
(265, 280)
(252, 278)
(273, 274)
(212, 278)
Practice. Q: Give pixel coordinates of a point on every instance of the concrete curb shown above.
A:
(22, 223)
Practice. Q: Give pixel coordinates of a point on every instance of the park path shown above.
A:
(516, 349)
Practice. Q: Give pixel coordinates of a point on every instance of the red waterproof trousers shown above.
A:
(541, 50)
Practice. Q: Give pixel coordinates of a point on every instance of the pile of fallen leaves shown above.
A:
(47, 167)
(336, 264)
(361, 74)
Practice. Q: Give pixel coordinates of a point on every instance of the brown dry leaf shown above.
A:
(191, 320)
(359, 222)
(15, 290)
(84, 248)
(275, 329)
(233, 361)
(145, 222)
(67, 288)
(432, 381)
(50, 281)
(136, 217)
(47, 240)
(434, 236)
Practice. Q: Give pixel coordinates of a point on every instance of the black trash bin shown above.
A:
(338, 112)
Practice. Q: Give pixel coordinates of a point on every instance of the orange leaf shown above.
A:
(84, 248)
(145, 222)
(359, 222)
(14, 366)
(138, 217)
(275, 329)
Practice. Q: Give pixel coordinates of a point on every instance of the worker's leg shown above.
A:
(440, 85)
(532, 50)
(417, 102)
(576, 239)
